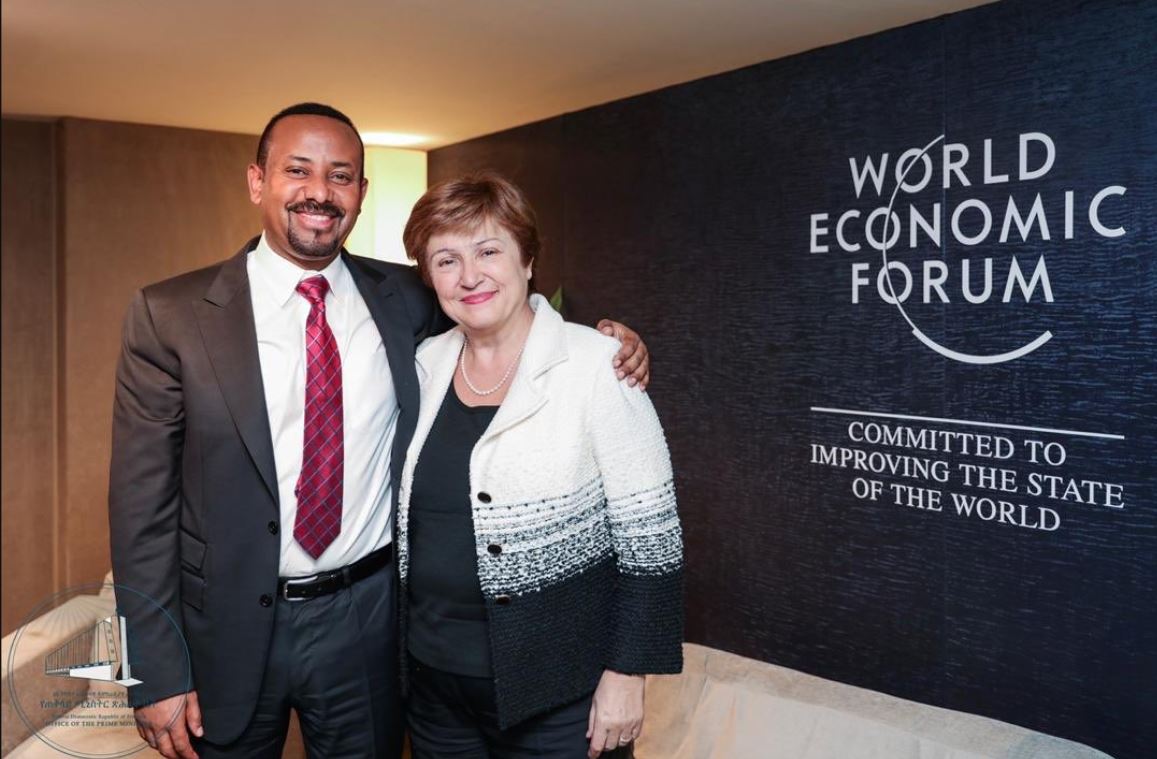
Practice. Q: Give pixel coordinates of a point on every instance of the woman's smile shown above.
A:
(475, 299)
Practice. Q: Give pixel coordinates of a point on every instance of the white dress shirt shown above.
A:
(369, 404)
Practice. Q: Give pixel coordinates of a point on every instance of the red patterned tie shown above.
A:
(319, 488)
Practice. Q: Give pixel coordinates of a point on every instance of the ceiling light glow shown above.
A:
(392, 139)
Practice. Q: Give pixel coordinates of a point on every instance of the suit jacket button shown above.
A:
(502, 600)
(484, 497)
(273, 529)
(266, 600)
(494, 548)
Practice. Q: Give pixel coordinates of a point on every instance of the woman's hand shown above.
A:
(633, 361)
(616, 712)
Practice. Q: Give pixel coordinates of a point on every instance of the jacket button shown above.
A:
(494, 548)
(273, 529)
(484, 497)
(266, 600)
(502, 600)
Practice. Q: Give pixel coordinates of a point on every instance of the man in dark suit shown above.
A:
(263, 408)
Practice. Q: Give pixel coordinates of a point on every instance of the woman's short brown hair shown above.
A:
(463, 205)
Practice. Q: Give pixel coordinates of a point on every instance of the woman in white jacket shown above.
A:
(539, 548)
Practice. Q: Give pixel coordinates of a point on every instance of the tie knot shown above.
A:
(314, 289)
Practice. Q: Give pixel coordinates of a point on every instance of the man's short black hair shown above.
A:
(305, 109)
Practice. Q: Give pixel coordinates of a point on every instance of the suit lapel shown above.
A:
(523, 399)
(545, 349)
(225, 318)
(388, 309)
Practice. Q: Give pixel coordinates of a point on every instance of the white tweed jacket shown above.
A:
(573, 470)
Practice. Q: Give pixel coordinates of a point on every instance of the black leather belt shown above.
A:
(324, 583)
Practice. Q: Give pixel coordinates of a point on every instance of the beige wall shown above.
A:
(139, 204)
(133, 204)
(29, 471)
(92, 211)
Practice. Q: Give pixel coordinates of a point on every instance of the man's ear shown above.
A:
(256, 178)
(365, 187)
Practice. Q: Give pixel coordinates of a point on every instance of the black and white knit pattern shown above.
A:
(645, 527)
(550, 540)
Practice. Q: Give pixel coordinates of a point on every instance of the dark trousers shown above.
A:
(334, 660)
(457, 716)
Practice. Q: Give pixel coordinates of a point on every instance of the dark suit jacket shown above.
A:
(193, 501)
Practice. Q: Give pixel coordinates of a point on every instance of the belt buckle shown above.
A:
(294, 582)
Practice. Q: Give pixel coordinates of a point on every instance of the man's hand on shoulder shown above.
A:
(633, 361)
(166, 725)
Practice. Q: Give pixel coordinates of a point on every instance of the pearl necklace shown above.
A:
(501, 382)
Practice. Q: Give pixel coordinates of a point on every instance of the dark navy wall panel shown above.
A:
(687, 213)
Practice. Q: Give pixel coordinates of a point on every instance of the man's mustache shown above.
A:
(312, 206)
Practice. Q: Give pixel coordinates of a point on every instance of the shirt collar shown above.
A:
(278, 277)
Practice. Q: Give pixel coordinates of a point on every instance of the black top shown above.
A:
(447, 620)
